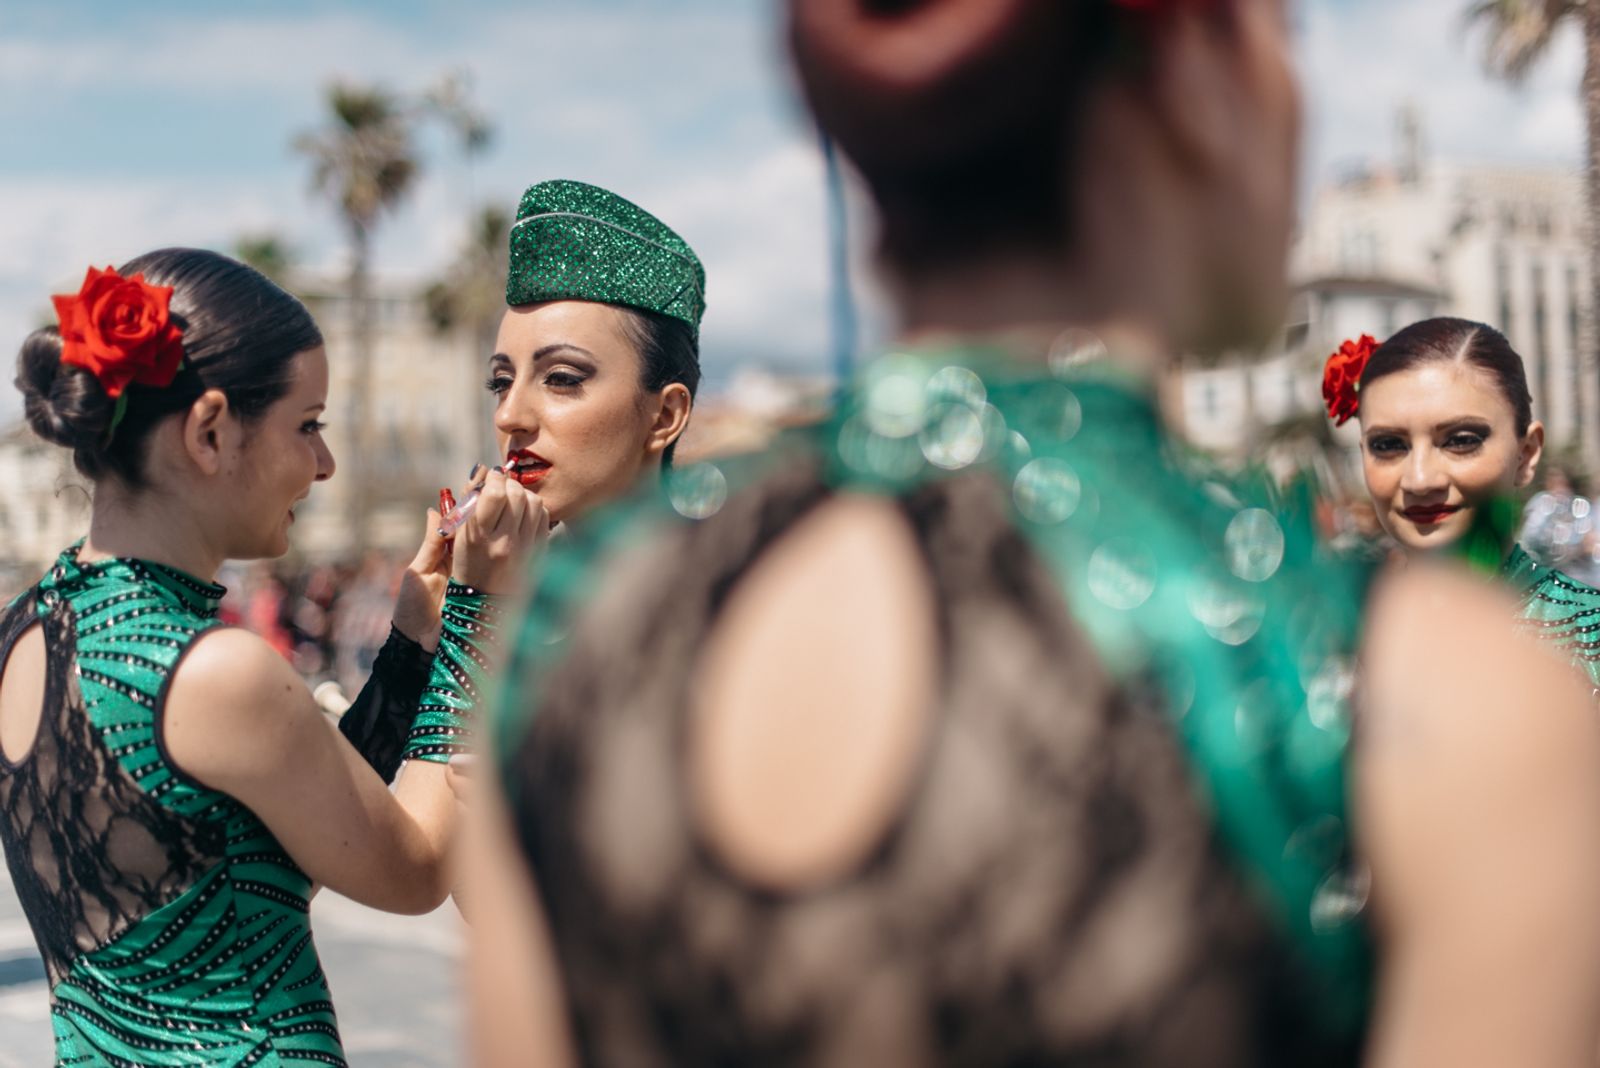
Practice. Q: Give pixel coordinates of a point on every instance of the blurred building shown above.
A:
(44, 509)
(1385, 246)
(427, 418)
(749, 411)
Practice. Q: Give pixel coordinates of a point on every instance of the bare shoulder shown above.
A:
(234, 708)
(1473, 732)
(1442, 648)
(1477, 807)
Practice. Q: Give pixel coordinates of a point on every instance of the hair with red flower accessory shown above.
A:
(120, 330)
(1341, 378)
(177, 322)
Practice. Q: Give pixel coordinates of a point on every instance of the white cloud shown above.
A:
(1361, 61)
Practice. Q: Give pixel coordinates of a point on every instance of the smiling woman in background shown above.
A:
(1448, 439)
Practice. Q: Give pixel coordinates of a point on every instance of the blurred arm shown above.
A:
(1477, 798)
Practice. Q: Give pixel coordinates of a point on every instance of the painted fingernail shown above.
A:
(497, 469)
(477, 469)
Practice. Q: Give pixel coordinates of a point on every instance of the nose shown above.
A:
(325, 463)
(516, 415)
(1424, 472)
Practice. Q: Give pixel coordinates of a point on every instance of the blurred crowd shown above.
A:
(328, 620)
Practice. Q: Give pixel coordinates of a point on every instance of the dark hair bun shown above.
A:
(64, 405)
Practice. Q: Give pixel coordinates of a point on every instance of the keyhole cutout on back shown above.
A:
(814, 695)
(22, 676)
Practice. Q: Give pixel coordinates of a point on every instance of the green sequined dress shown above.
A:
(174, 928)
(1558, 608)
(1138, 755)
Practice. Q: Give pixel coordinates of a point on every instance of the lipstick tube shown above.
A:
(449, 524)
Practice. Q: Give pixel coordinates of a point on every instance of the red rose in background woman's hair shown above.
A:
(1341, 378)
(120, 330)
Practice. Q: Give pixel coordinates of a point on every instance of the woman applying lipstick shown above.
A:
(1448, 439)
(597, 359)
(170, 793)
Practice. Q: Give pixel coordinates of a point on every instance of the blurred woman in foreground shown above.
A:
(973, 727)
(1448, 439)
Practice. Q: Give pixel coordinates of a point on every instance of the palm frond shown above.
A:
(1518, 32)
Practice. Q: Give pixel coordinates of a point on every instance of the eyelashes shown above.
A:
(499, 384)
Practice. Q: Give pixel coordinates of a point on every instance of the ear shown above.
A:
(1192, 81)
(1528, 457)
(208, 432)
(672, 418)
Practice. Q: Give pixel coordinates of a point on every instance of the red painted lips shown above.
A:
(527, 466)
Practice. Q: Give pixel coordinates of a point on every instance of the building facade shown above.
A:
(1383, 248)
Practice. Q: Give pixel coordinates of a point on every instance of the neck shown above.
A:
(1134, 266)
(149, 525)
(1025, 304)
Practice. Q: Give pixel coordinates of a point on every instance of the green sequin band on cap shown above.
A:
(468, 644)
(574, 241)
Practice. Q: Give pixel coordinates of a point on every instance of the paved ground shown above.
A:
(395, 983)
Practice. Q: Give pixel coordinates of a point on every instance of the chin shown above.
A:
(1415, 539)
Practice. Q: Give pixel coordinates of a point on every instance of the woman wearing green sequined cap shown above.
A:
(1448, 440)
(170, 793)
(597, 358)
(984, 724)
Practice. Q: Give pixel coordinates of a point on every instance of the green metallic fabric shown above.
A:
(573, 241)
(467, 645)
(224, 973)
(1559, 609)
(1184, 580)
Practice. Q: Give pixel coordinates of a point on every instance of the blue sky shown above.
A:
(125, 127)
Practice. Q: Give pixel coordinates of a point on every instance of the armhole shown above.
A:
(158, 726)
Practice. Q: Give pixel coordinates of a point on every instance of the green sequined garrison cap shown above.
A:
(573, 241)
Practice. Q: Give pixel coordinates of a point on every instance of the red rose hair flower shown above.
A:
(1341, 378)
(120, 330)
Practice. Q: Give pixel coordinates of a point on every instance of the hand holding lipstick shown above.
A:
(452, 515)
(496, 527)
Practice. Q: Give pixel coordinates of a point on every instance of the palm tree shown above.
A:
(470, 298)
(364, 160)
(1519, 36)
(267, 253)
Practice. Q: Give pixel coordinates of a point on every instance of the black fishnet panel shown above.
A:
(90, 853)
(1052, 892)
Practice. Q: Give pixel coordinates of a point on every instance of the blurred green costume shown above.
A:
(1065, 535)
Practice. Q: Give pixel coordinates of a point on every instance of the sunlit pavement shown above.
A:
(395, 979)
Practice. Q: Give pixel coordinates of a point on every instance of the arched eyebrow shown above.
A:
(546, 350)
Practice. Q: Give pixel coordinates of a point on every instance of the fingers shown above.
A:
(491, 503)
(537, 523)
(434, 552)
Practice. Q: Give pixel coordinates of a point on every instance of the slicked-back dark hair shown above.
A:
(1445, 339)
(241, 333)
